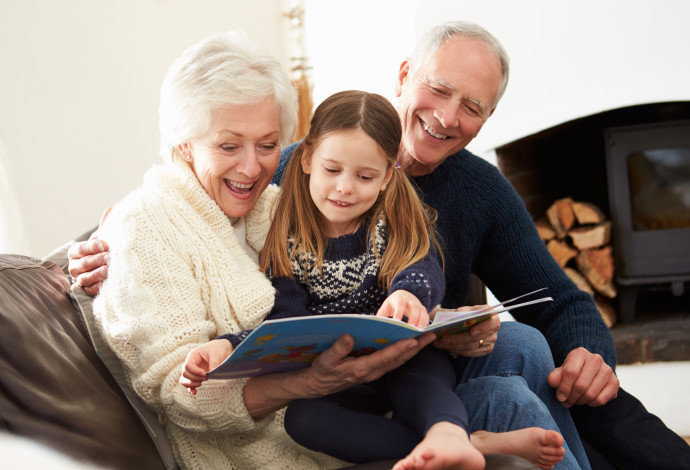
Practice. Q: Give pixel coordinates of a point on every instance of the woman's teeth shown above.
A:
(241, 187)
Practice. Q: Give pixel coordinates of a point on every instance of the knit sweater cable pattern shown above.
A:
(179, 277)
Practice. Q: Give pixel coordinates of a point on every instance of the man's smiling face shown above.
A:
(445, 103)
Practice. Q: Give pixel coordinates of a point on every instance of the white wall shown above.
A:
(569, 59)
(79, 79)
(79, 84)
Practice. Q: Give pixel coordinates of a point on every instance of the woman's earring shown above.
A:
(184, 151)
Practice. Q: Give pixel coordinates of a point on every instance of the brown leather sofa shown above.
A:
(56, 390)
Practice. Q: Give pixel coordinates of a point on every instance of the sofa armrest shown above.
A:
(54, 389)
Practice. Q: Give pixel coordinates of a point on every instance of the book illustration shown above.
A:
(293, 343)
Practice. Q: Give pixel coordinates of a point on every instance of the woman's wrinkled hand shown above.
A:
(477, 341)
(334, 370)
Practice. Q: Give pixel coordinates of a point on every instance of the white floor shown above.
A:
(663, 388)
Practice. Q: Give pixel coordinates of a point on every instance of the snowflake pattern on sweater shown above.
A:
(348, 280)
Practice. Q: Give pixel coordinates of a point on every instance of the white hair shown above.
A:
(432, 40)
(222, 70)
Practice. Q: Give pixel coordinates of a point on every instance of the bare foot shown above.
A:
(445, 446)
(540, 446)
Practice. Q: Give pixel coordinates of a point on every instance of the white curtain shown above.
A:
(13, 237)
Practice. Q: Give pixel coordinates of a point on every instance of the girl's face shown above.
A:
(347, 171)
(236, 159)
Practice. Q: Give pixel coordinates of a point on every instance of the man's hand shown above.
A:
(584, 379)
(88, 261)
(478, 341)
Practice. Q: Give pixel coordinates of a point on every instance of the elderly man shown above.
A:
(447, 90)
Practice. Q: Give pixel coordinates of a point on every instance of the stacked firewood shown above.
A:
(578, 236)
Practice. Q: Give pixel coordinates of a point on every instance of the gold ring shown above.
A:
(481, 343)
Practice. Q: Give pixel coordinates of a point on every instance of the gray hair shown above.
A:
(222, 70)
(433, 38)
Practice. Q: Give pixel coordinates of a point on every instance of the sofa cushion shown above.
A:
(53, 387)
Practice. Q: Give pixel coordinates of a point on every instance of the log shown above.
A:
(585, 238)
(587, 213)
(597, 267)
(546, 232)
(561, 251)
(561, 217)
(579, 280)
(579, 231)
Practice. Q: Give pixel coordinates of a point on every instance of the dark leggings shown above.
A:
(351, 425)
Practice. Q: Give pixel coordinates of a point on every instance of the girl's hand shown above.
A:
(202, 359)
(478, 341)
(403, 303)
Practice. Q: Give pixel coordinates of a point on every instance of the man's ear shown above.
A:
(402, 76)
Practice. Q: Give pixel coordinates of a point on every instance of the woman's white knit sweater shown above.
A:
(179, 277)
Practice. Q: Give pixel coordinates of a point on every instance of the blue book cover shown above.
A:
(293, 343)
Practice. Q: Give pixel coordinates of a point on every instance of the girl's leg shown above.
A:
(422, 391)
(423, 397)
(350, 425)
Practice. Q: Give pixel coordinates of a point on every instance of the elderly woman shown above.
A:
(184, 270)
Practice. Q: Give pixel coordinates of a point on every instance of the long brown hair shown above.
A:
(409, 222)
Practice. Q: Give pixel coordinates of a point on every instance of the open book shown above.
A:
(293, 343)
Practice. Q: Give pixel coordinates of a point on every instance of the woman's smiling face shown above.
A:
(236, 159)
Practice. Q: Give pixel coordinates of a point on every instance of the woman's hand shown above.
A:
(477, 341)
(202, 359)
(332, 371)
(88, 261)
(402, 303)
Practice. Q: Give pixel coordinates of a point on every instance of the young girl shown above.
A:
(350, 235)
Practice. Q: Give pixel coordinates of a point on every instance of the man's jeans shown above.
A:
(507, 390)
